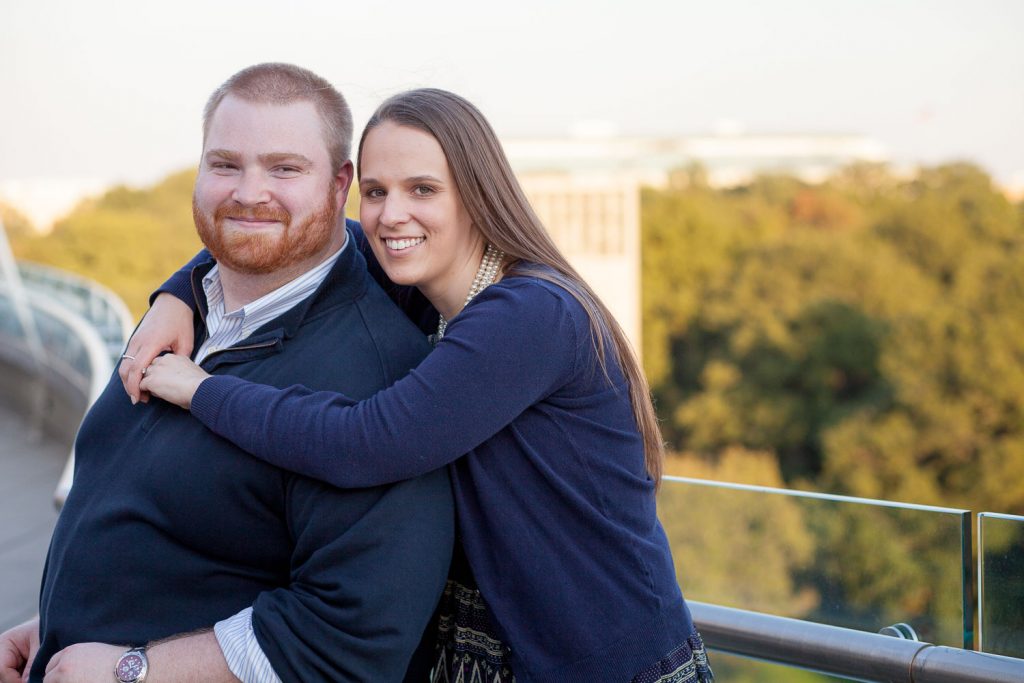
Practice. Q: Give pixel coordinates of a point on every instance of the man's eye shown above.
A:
(287, 171)
(223, 166)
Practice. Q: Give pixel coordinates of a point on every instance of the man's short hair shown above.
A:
(277, 83)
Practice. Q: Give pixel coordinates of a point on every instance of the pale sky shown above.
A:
(102, 91)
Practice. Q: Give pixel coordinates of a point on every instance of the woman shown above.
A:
(531, 396)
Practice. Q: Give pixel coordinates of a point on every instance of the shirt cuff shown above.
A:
(244, 656)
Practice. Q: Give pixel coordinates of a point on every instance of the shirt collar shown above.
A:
(274, 303)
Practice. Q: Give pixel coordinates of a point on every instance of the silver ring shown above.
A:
(125, 356)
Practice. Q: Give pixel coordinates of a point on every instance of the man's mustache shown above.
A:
(251, 213)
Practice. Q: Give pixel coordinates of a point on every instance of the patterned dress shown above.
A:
(469, 650)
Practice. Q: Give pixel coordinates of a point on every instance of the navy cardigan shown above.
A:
(169, 528)
(555, 509)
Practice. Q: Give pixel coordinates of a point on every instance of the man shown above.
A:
(169, 529)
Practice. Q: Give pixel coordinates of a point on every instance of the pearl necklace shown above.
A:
(485, 275)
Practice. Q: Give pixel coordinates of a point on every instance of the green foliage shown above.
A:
(130, 240)
(16, 224)
(867, 331)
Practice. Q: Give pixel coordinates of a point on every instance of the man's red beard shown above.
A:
(258, 252)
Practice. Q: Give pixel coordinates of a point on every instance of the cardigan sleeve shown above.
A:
(179, 285)
(512, 346)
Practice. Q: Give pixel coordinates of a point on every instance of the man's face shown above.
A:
(265, 198)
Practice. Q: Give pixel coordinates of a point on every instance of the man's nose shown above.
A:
(251, 189)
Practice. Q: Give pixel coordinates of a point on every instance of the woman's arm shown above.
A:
(168, 327)
(509, 349)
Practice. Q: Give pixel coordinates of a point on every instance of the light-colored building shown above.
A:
(730, 158)
(586, 190)
(595, 219)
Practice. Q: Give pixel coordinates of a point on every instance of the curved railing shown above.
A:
(60, 336)
(99, 306)
(67, 352)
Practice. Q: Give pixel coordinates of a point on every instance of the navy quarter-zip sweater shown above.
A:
(170, 528)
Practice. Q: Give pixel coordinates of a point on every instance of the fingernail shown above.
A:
(134, 400)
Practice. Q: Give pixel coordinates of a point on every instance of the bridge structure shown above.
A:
(61, 336)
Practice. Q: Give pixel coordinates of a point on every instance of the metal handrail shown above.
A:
(10, 280)
(98, 304)
(88, 311)
(837, 651)
(100, 367)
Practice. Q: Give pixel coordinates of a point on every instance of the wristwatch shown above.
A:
(132, 666)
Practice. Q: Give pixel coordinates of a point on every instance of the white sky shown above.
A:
(103, 91)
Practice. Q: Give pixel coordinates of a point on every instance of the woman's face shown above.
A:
(415, 220)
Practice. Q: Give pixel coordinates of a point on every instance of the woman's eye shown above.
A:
(373, 193)
(423, 190)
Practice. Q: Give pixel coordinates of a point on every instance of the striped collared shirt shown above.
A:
(226, 329)
(242, 651)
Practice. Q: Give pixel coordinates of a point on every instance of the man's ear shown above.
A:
(342, 182)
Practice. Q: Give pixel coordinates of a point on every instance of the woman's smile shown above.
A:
(402, 244)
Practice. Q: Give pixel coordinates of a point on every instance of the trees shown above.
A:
(17, 224)
(129, 240)
(866, 331)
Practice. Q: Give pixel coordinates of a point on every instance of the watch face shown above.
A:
(130, 668)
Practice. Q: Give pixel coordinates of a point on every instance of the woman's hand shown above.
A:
(166, 327)
(174, 379)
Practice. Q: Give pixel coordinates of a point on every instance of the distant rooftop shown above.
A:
(730, 157)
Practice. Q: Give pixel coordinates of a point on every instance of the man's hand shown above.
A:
(17, 650)
(84, 663)
(166, 327)
(192, 658)
(174, 379)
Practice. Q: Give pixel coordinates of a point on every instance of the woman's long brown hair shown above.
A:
(499, 209)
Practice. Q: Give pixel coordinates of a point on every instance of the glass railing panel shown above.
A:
(61, 345)
(1001, 584)
(9, 324)
(849, 562)
(743, 670)
(91, 300)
